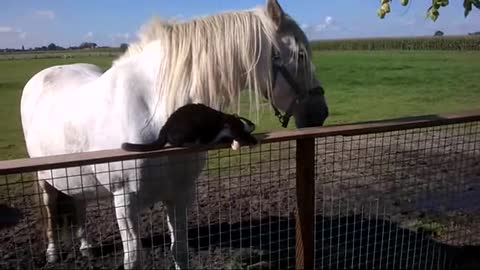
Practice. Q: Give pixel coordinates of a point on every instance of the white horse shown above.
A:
(77, 108)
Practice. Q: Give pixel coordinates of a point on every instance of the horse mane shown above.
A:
(207, 59)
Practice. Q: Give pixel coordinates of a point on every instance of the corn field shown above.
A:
(460, 43)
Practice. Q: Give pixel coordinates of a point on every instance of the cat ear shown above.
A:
(247, 121)
(248, 125)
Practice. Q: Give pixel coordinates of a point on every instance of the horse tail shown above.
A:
(60, 211)
(67, 216)
(156, 145)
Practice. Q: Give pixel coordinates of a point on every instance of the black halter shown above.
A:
(278, 66)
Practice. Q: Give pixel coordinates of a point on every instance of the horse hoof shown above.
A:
(52, 257)
(177, 267)
(86, 252)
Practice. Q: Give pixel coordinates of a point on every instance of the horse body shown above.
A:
(85, 111)
(78, 108)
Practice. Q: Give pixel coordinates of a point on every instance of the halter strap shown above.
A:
(299, 96)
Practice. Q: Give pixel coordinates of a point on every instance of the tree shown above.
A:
(432, 12)
(438, 34)
(88, 45)
(124, 46)
(51, 47)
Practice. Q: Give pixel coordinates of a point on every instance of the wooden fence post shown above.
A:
(305, 216)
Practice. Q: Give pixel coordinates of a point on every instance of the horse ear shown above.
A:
(274, 11)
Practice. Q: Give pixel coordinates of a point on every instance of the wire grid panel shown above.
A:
(243, 215)
(398, 200)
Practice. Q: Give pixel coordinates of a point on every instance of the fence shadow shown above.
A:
(340, 243)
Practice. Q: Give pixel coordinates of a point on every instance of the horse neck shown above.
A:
(242, 77)
(152, 65)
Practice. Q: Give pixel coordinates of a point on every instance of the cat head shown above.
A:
(241, 129)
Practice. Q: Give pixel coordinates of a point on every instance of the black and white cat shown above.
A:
(201, 125)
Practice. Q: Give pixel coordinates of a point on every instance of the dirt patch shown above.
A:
(393, 200)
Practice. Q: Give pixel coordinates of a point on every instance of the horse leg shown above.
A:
(50, 196)
(125, 209)
(80, 233)
(177, 224)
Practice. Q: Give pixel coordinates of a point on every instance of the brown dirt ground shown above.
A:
(394, 200)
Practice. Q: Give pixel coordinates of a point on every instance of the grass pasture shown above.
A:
(360, 86)
(61, 54)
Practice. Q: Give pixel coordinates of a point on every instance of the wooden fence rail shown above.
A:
(305, 162)
(87, 158)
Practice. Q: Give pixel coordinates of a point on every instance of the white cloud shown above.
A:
(5, 29)
(88, 35)
(327, 23)
(327, 27)
(328, 20)
(11, 33)
(47, 14)
(120, 36)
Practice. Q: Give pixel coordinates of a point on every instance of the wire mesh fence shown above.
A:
(241, 216)
(398, 200)
(395, 198)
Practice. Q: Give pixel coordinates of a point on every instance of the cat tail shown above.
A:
(137, 147)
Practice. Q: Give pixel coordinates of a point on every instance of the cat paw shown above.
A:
(235, 145)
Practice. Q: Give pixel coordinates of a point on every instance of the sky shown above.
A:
(66, 23)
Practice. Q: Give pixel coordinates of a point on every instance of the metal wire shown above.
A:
(387, 200)
(397, 200)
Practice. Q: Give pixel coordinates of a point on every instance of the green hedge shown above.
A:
(469, 43)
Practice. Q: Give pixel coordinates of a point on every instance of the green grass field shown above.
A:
(360, 86)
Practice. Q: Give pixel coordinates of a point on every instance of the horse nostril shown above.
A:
(317, 115)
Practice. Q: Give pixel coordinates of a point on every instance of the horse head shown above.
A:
(295, 89)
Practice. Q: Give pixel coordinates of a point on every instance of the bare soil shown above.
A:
(398, 200)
